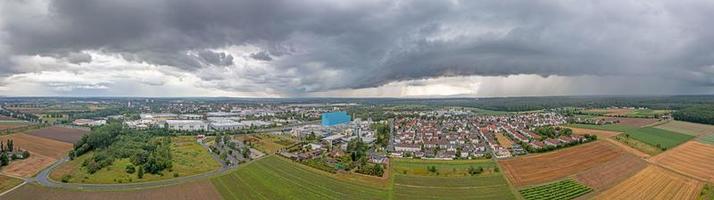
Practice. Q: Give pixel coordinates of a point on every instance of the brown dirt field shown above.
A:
(691, 158)
(600, 133)
(503, 140)
(37, 145)
(69, 135)
(654, 183)
(185, 191)
(610, 173)
(637, 122)
(9, 126)
(687, 128)
(28, 167)
(552, 166)
(3, 117)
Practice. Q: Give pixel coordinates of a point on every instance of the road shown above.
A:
(43, 178)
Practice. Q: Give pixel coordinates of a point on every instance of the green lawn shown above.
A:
(277, 178)
(566, 189)
(443, 167)
(189, 158)
(466, 187)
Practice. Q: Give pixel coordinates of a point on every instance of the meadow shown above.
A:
(189, 158)
(655, 137)
(443, 167)
(273, 177)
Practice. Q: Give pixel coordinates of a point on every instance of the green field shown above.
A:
(466, 187)
(566, 189)
(189, 158)
(636, 113)
(277, 178)
(652, 136)
(7, 183)
(708, 139)
(659, 137)
(443, 167)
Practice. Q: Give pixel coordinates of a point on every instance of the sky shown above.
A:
(355, 48)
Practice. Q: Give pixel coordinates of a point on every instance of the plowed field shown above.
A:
(69, 135)
(556, 165)
(612, 172)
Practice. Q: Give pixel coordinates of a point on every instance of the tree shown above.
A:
(4, 159)
(140, 174)
(25, 154)
(130, 169)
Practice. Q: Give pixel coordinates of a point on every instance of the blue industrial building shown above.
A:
(335, 118)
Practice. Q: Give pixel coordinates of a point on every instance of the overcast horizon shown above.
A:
(373, 48)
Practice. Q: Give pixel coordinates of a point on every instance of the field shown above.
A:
(277, 178)
(600, 133)
(266, 142)
(655, 137)
(659, 137)
(7, 183)
(3, 117)
(503, 140)
(612, 172)
(28, 167)
(465, 187)
(692, 158)
(9, 125)
(185, 191)
(707, 139)
(69, 135)
(624, 112)
(637, 122)
(566, 190)
(443, 168)
(552, 166)
(638, 145)
(654, 183)
(687, 128)
(189, 158)
(38, 145)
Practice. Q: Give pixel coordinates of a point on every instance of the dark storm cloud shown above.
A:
(263, 55)
(355, 44)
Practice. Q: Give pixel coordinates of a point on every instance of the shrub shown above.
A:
(130, 169)
(66, 178)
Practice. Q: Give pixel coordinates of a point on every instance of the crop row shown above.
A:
(567, 189)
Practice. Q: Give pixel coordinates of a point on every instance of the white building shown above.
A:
(190, 117)
(89, 122)
(187, 125)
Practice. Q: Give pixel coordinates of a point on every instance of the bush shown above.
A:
(130, 169)
(176, 174)
(66, 178)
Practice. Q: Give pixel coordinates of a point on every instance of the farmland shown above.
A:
(659, 138)
(626, 112)
(654, 183)
(566, 189)
(28, 167)
(548, 167)
(185, 191)
(189, 158)
(465, 187)
(707, 139)
(612, 172)
(443, 168)
(688, 128)
(692, 158)
(38, 145)
(7, 183)
(599, 133)
(10, 125)
(69, 135)
(277, 178)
